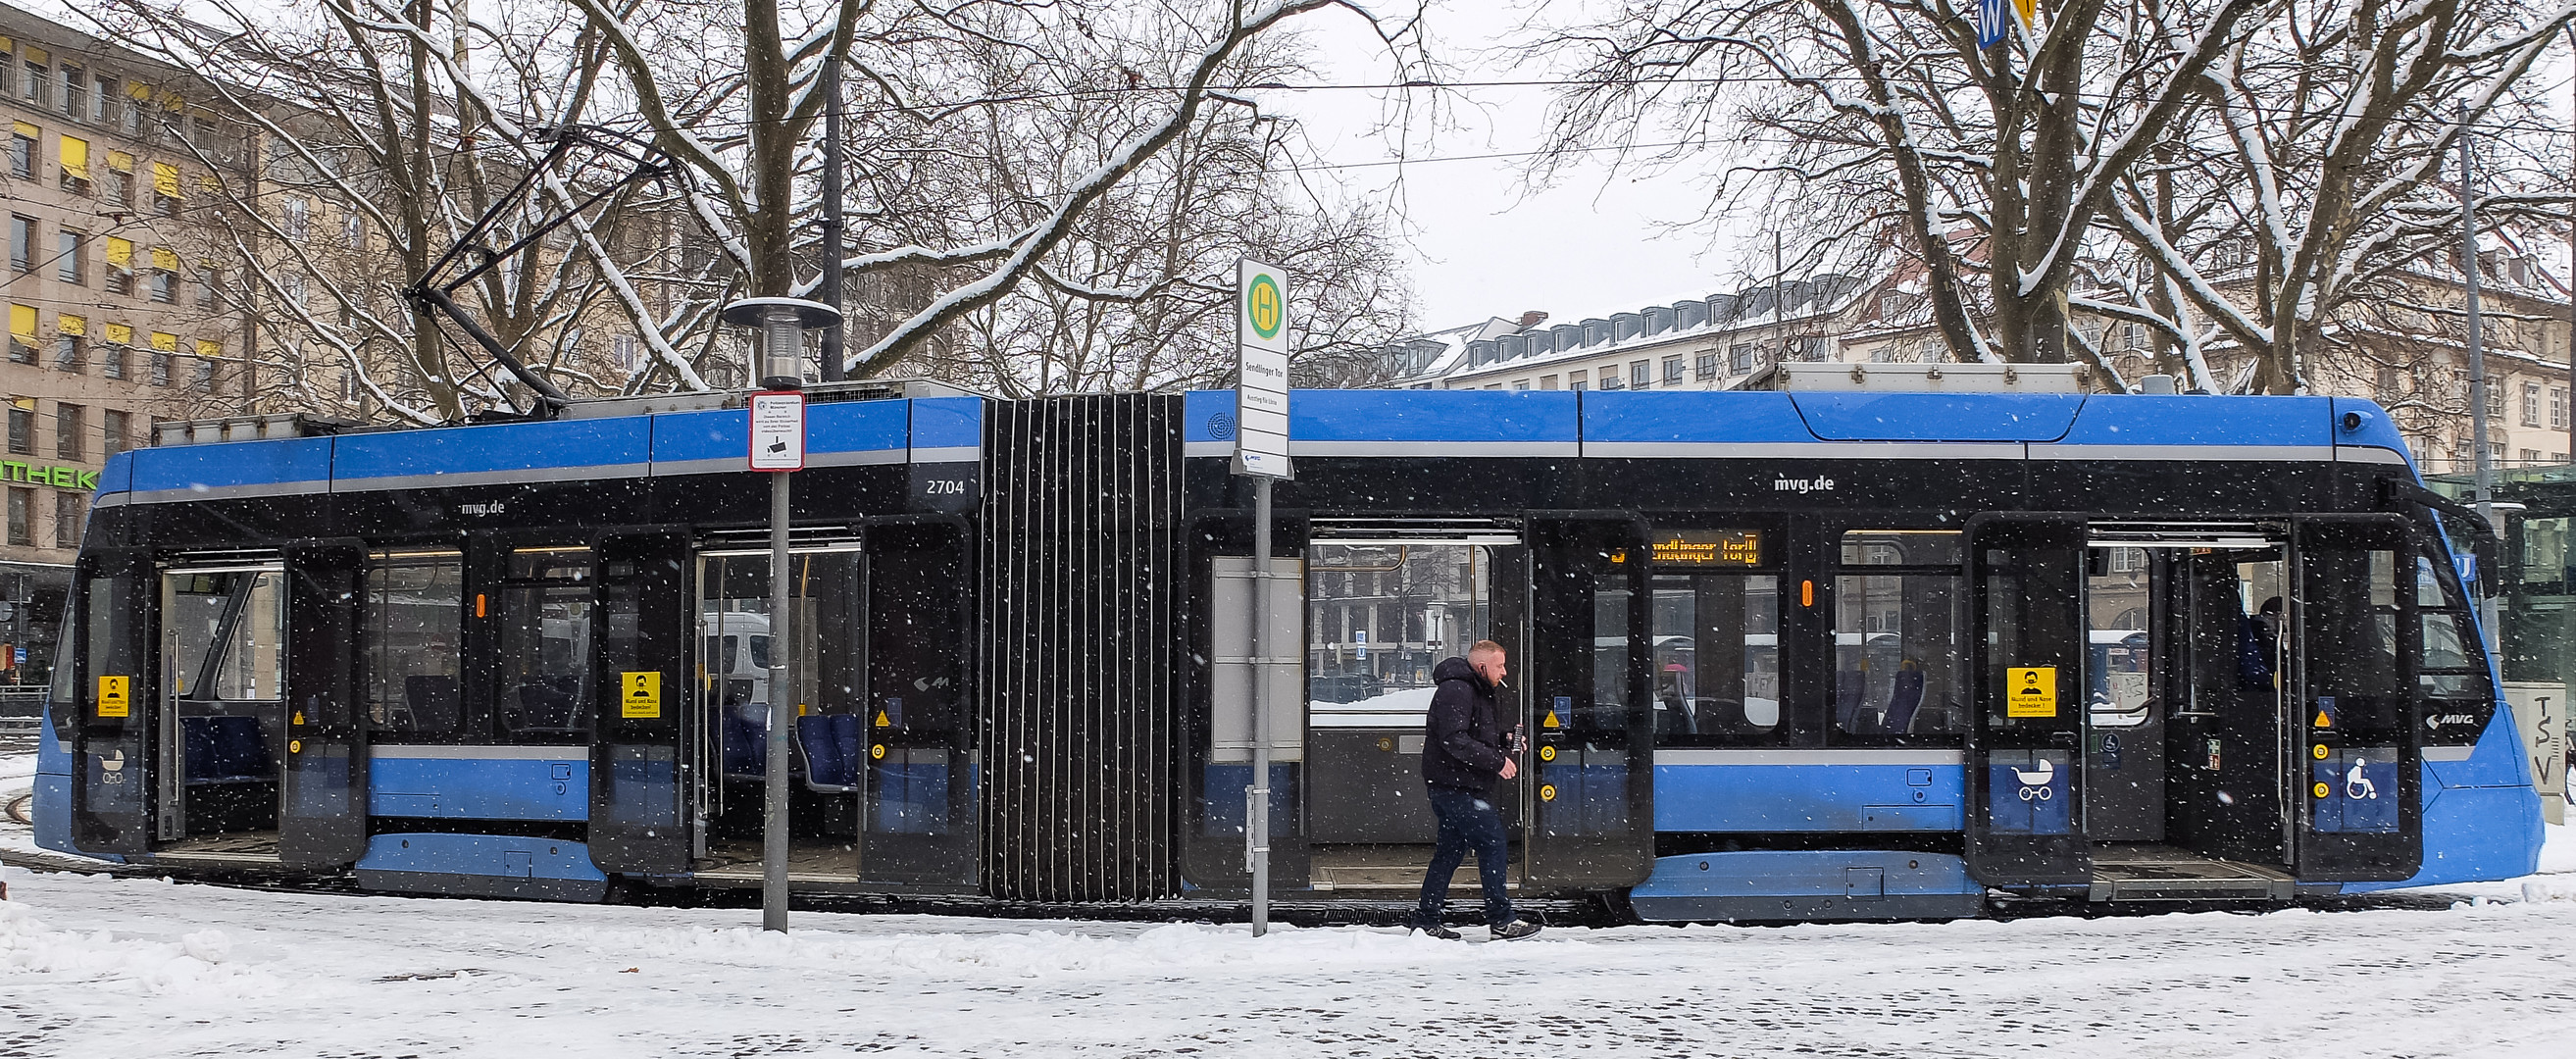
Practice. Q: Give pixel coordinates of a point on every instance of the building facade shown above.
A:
(116, 314)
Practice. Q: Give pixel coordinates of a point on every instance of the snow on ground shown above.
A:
(92, 965)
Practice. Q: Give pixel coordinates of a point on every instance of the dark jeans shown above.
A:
(1467, 821)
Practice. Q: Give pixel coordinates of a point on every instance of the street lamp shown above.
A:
(777, 446)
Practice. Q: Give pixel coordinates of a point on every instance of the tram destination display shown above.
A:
(1708, 548)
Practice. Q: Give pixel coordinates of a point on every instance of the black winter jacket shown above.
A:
(1462, 735)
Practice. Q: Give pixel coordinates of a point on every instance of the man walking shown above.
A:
(1464, 751)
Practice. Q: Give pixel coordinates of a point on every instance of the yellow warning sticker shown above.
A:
(2030, 691)
(642, 697)
(299, 717)
(1550, 721)
(2318, 751)
(883, 721)
(295, 746)
(1547, 753)
(1547, 792)
(877, 751)
(114, 698)
(2323, 790)
(2324, 721)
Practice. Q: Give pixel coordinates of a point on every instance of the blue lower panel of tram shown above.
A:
(483, 866)
(1766, 885)
(1732, 798)
(2481, 815)
(480, 783)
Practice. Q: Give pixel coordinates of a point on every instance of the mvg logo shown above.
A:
(1801, 485)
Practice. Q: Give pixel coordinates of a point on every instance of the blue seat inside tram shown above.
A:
(744, 730)
(831, 744)
(225, 750)
(1850, 685)
(549, 704)
(1905, 700)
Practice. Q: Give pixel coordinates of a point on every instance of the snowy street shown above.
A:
(91, 965)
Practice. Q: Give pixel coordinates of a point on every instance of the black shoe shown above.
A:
(1514, 930)
(1437, 931)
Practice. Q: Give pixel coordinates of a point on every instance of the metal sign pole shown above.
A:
(775, 422)
(773, 812)
(1261, 452)
(1257, 817)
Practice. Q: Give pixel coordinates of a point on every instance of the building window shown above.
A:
(161, 367)
(70, 511)
(1574, 380)
(8, 68)
(1672, 371)
(2558, 406)
(2389, 383)
(165, 189)
(165, 286)
(22, 514)
(102, 93)
(1739, 358)
(626, 351)
(201, 376)
(2531, 404)
(1609, 376)
(68, 421)
(2530, 457)
(39, 82)
(72, 154)
(71, 260)
(2495, 399)
(1641, 374)
(119, 428)
(111, 357)
(118, 188)
(67, 352)
(353, 231)
(22, 428)
(120, 265)
(1706, 369)
(22, 153)
(75, 92)
(296, 215)
(22, 243)
(1520, 384)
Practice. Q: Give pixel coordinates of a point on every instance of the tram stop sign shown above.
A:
(778, 431)
(1261, 377)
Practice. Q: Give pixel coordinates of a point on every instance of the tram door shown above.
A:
(2358, 643)
(109, 717)
(640, 704)
(1383, 611)
(820, 706)
(1593, 702)
(2027, 649)
(220, 706)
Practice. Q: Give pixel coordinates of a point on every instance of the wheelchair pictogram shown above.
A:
(2357, 786)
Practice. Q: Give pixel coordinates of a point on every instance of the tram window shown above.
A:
(2544, 558)
(541, 630)
(410, 637)
(1717, 656)
(2349, 598)
(1897, 627)
(233, 619)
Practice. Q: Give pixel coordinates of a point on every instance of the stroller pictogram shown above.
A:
(2357, 786)
(2036, 785)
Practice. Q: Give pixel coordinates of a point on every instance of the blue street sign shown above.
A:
(1993, 21)
(2468, 567)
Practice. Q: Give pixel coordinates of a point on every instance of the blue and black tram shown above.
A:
(1782, 655)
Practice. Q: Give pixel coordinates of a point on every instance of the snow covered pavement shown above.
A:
(97, 966)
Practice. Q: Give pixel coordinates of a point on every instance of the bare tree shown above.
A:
(2097, 164)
